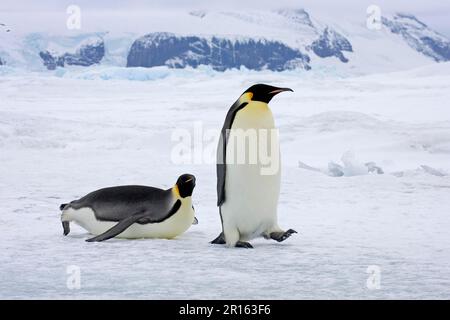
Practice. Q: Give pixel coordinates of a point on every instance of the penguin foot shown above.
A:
(281, 236)
(219, 240)
(243, 244)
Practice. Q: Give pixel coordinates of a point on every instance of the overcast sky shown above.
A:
(435, 13)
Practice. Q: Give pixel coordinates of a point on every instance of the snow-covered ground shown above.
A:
(62, 137)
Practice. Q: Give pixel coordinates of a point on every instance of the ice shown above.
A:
(64, 136)
(120, 73)
(350, 167)
(433, 171)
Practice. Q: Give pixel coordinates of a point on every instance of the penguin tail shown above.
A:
(66, 227)
(65, 219)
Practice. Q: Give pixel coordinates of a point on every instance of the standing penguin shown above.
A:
(133, 211)
(247, 198)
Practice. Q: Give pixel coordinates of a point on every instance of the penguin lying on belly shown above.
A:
(133, 211)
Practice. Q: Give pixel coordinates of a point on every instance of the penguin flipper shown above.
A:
(118, 228)
(222, 149)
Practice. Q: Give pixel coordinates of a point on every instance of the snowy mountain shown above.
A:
(271, 40)
(419, 36)
(331, 43)
(158, 49)
(297, 17)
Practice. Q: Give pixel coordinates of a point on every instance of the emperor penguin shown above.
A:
(247, 194)
(133, 211)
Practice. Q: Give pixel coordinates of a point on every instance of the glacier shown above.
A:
(160, 49)
(278, 40)
(90, 52)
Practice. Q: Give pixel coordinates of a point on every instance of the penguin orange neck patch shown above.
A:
(246, 97)
(176, 191)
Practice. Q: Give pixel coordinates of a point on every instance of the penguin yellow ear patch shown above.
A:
(246, 97)
(176, 191)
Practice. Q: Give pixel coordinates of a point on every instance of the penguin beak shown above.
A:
(278, 90)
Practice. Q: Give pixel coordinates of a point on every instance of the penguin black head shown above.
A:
(185, 184)
(263, 92)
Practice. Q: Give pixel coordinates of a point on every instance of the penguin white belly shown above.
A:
(167, 229)
(251, 197)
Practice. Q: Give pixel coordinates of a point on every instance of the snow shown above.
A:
(64, 136)
(419, 36)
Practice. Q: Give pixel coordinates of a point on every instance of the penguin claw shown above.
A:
(243, 244)
(287, 234)
(281, 236)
